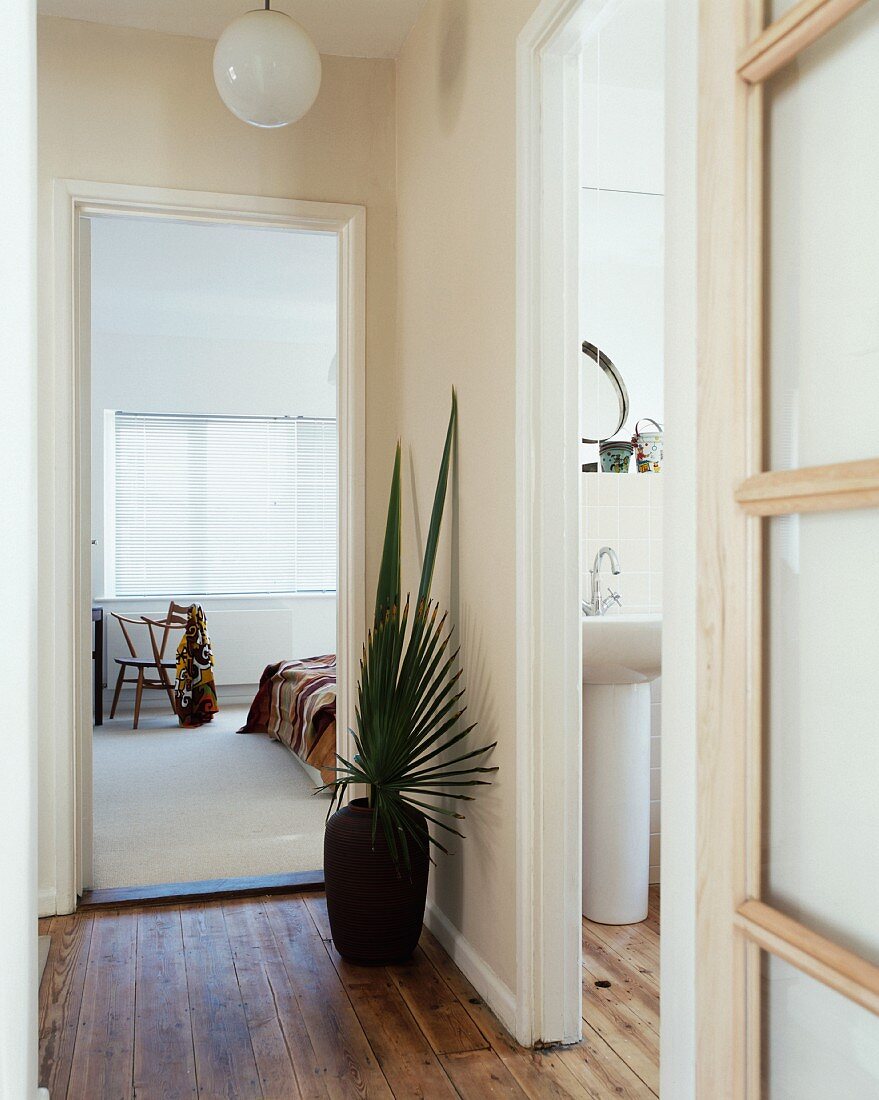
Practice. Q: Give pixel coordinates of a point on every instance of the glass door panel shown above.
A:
(822, 248)
(817, 1044)
(821, 807)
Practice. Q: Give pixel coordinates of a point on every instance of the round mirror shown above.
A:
(604, 399)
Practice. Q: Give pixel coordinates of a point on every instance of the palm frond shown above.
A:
(388, 594)
(409, 699)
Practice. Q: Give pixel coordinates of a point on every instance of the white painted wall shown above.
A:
(139, 107)
(18, 662)
(192, 318)
(456, 120)
(622, 215)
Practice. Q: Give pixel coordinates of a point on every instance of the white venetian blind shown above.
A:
(220, 505)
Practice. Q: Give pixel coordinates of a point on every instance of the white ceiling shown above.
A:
(349, 28)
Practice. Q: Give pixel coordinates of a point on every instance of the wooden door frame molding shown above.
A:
(722, 609)
(70, 552)
(734, 926)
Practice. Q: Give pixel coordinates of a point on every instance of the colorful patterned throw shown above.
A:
(195, 695)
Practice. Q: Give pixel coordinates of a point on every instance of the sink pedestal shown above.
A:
(616, 802)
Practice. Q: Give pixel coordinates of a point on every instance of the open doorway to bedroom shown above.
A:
(210, 350)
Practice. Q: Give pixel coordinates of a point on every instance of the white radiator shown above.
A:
(244, 640)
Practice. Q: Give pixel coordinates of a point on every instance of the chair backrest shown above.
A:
(177, 618)
(122, 620)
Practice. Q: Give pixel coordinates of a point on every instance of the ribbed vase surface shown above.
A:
(376, 909)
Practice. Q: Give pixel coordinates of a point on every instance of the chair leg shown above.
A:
(137, 697)
(118, 689)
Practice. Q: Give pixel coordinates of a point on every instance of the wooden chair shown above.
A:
(175, 620)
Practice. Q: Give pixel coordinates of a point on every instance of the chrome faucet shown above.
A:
(598, 605)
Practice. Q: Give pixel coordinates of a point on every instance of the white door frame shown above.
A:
(548, 484)
(549, 702)
(72, 491)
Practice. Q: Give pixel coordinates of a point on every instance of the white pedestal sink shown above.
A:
(621, 655)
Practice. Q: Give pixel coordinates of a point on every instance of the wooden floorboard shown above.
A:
(603, 1071)
(332, 1024)
(61, 999)
(103, 1055)
(225, 1064)
(164, 1059)
(619, 1055)
(480, 1074)
(268, 1001)
(248, 999)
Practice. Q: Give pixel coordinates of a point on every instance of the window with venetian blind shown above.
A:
(221, 505)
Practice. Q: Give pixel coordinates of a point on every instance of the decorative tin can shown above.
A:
(615, 455)
(648, 447)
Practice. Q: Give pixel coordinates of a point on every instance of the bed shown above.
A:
(296, 705)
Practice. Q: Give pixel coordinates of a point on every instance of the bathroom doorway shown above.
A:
(591, 512)
(621, 316)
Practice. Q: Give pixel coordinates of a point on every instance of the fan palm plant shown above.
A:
(410, 698)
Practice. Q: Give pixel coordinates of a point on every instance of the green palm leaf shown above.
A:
(409, 698)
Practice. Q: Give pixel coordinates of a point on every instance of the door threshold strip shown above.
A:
(210, 890)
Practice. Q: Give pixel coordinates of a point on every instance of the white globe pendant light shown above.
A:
(266, 68)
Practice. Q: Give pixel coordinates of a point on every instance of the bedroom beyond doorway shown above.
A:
(210, 351)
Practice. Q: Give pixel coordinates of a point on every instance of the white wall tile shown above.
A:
(609, 488)
(607, 519)
(635, 590)
(634, 555)
(635, 490)
(633, 523)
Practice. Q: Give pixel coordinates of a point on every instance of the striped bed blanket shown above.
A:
(296, 705)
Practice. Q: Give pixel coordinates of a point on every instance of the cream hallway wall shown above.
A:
(138, 107)
(456, 122)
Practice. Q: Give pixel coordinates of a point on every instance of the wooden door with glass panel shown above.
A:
(805, 987)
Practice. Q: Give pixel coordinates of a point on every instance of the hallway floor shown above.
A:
(248, 999)
(625, 1013)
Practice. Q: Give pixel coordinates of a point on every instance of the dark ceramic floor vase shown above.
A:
(376, 911)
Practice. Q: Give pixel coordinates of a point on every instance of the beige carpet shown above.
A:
(175, 805)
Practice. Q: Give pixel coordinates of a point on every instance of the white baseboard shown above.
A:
(47, 903)
(496, 994)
